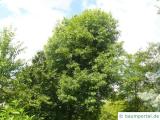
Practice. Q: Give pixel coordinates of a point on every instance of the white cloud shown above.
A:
(138, 21)
(35, 26)
(36, 6)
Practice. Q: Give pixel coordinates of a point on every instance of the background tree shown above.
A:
(34, 89)
(134, 80)
(9, 65)
(152, 92)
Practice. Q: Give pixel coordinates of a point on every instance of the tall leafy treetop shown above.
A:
(84, 54)
(81, 39)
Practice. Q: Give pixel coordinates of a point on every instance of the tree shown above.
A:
(84, 54)
(152, 94)
(140, 80)
(9, 65)
(133, 80)
(34, 89)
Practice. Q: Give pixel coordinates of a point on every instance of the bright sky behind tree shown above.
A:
(34, 20)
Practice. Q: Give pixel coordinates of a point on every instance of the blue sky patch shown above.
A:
(76, 7)
(4, 12)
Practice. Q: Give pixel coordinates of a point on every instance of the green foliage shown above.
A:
(12, 112)
(151, 95)
(84, 55)
(81, 66)
(132, 82)
(9, 65)
(33, 88)
(110, 109)
(139, 105)
(8, 53)
(81, 39)
(139, 77)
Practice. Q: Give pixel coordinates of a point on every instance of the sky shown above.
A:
(34, 20)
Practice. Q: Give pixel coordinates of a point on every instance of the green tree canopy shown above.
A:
(9, 65)
(85, 56)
